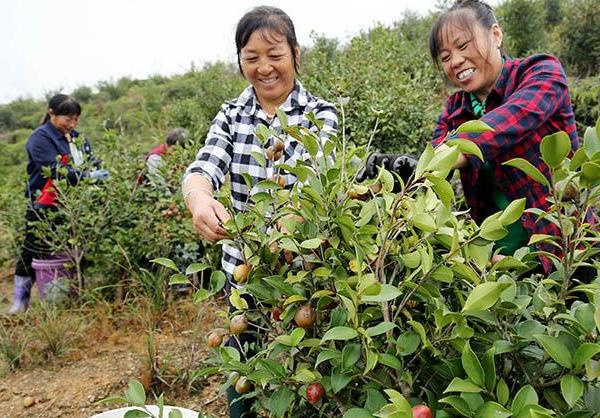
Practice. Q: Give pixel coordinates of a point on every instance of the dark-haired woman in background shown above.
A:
(268, 57)
(51, 145)
(522, 99)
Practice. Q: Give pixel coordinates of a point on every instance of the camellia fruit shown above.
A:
(305, 317)
(280, 180)
(421, 411)
(240, 273)
(278, 146)
(314, 392)
(276, 314)
(239, 324)
(214, 339)
(270, 154)
(243, 385)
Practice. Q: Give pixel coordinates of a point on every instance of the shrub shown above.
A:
(523, 22)
(383, 295)
(580, 37)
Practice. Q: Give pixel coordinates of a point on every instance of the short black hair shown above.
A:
(460, 13)
(176, 136)
(62, 104)
(265, 18)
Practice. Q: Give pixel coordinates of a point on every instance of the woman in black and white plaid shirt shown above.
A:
(268, 57)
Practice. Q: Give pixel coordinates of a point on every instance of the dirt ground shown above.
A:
(103, 354)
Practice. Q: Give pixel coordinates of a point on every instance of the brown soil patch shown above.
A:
(107, 348)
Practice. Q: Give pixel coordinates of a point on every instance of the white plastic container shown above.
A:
(120, 413)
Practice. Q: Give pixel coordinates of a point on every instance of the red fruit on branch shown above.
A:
(276, 314)
(314, 392)
(421, 411)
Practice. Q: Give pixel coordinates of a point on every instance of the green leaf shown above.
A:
(236, 300)
(391, 361)
(304, 376)
(217, 281)
(484, 296)
(459, 404)
(326, 355)
(280, 401)
(407, 343)
(423, 221)
(386, 293)
(578, 159)
(489, 369)
(502, 392)
(168, 263)
(493, 409)
(535, 238)
(471, 365)
(466, 147)
(339, 381)
(195, 268)
(424, 160)
(460, 385)
(136, 413)
(340, 333)
(135, 393)
(571, 388)
(263, 133)
(357, 413)
(513, 212)
(297, 335)
(380, 328)
(591, 141)
(444, 159)
(555, 148)
(202, 294)
(525, 396)
(311, 145)
(443, 274)
(492, 229)
(585, 352)
(259, 157)
(178, 278)
(283, 119)
(175, 413)
(443, 189)
(350, 355)
(411, 260)
(526, 167)
(555, 349)
(311, 244)
(474, 126)
(590, 171)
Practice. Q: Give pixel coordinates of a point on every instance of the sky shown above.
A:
(50, 45)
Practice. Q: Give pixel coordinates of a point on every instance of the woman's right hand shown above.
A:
(208, 216)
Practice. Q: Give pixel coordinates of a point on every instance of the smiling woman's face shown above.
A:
(471, 59)
(64, 123)
(268, 64)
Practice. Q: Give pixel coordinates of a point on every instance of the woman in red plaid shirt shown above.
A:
(522, 99)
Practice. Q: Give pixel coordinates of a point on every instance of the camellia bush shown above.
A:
(362, 300)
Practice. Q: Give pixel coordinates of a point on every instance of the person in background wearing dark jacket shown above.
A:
(52, 145)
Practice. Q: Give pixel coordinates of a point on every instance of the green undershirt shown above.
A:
(517, 236)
